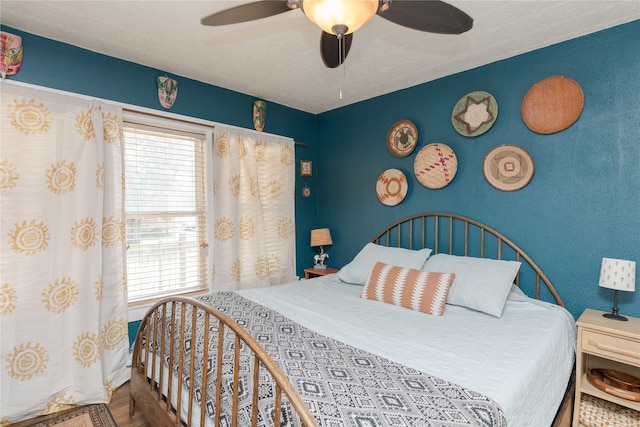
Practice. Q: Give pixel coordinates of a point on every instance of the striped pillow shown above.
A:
(408, 288)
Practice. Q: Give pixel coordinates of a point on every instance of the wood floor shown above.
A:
(119, 408)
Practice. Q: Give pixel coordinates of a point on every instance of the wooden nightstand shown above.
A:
(315, 272)
(606, 344)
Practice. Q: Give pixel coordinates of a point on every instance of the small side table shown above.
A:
(608, 344)
(315, 272)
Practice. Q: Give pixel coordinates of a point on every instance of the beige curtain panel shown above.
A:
(253, 205)
(63, 318)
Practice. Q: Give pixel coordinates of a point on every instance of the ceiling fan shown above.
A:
(338, 19)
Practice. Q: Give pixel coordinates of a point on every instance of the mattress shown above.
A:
(522, 360)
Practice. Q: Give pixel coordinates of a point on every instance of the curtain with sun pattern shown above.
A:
(63, 314)
(253, 204)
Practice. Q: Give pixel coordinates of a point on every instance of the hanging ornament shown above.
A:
(10, 54)
(259, 115)
(167, 91)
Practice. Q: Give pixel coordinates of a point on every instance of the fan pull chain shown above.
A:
(342, 59)
(340, 30)
(342, 62)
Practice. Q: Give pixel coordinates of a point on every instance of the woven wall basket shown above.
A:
(392, 187)
(552, 105)
(402, 138)
(474, 113)
(435, 165)
(508, 167)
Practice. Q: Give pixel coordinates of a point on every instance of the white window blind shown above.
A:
(166, 211)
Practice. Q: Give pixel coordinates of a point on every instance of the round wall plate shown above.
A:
(392, 187)
(552, 104)
(474, 113)
(306, 191)
(508, 167)
(402, 138)
(435, 165)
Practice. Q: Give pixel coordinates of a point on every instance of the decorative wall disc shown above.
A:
(402, 138)
(306, 191)
(392, 187)
(508, 167)
(435, 165)
(552, 105)
(474, 113)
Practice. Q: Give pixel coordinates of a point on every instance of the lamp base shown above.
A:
(614, 311)
(615, 316)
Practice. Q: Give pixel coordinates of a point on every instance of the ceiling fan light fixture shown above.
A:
(328, 14)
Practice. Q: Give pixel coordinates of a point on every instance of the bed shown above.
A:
(348, 349)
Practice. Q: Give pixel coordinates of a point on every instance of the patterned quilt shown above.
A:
(342, 385)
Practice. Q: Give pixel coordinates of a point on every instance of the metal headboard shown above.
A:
(458, 235)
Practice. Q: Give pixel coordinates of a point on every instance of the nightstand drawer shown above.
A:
(623, 350)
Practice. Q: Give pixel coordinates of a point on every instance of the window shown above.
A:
(165, 210)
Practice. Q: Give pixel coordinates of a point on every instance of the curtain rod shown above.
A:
(127, 107)
(167, 115)
(172, 116)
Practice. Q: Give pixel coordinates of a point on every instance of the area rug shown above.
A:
(85, 416)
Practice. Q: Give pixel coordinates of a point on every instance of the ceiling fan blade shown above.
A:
(247, 12)
(432, 16)
(330, 49)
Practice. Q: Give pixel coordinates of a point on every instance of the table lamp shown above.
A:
(320, 237)
(619, 275)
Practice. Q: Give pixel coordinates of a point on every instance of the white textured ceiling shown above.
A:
(278, 58)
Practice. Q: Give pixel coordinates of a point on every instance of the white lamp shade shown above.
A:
(327, 13)
(618, 274)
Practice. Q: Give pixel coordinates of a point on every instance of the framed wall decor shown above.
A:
(306, 168)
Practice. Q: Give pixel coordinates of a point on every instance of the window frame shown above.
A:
(138, 308)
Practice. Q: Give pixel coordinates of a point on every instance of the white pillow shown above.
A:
(481, 284)
(358, 269)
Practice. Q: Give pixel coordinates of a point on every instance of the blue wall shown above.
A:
(583, 202)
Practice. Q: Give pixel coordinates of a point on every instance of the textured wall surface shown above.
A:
(583, 202)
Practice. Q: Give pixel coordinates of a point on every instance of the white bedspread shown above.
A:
(522, 361)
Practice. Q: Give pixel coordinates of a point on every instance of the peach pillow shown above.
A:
(409, 288)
